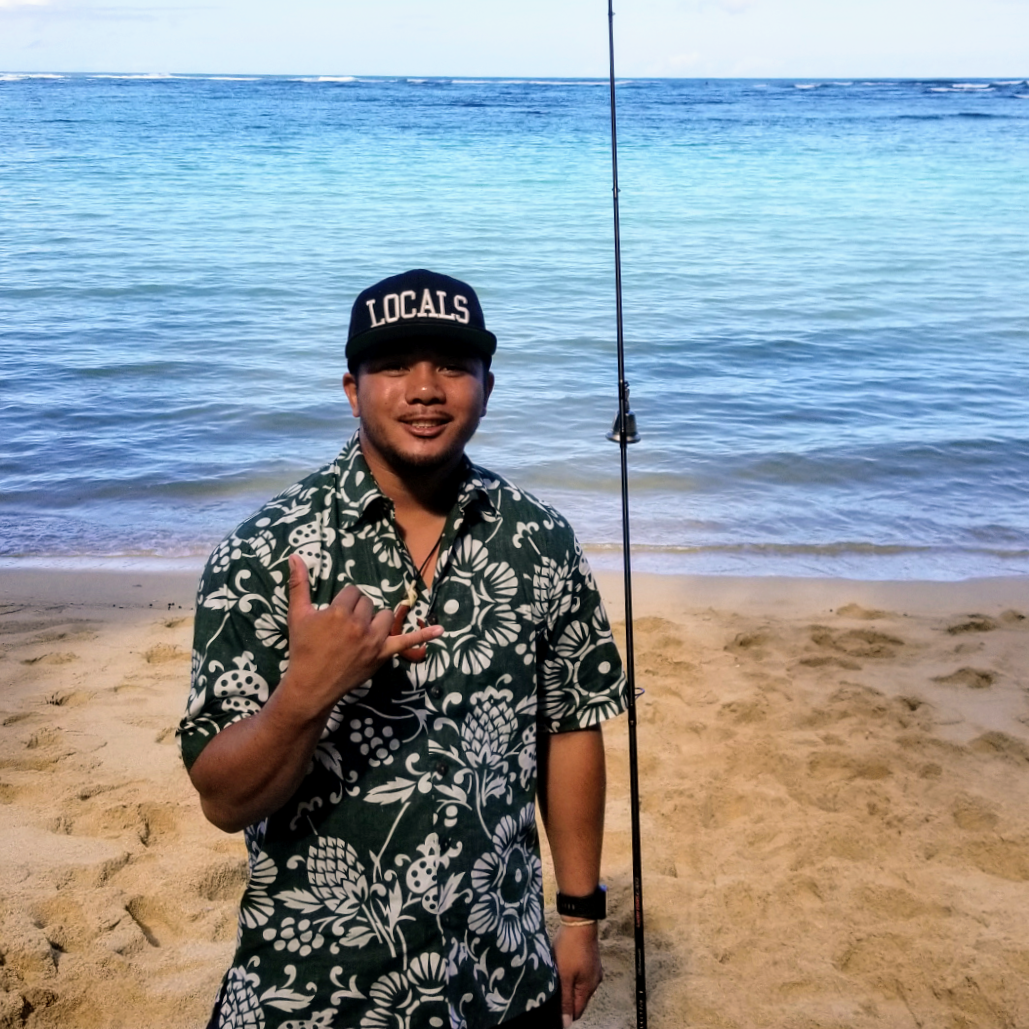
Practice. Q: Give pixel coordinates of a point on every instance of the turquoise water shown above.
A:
(826, 306)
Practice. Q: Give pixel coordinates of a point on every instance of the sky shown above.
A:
(566, 38)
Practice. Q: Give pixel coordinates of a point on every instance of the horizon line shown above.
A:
(415, 76)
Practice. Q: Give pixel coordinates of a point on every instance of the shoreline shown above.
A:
(654, 593)
(852, 563)
(834, 803)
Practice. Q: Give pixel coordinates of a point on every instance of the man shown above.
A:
(385, 775)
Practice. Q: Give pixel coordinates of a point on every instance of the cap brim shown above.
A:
(481, 341)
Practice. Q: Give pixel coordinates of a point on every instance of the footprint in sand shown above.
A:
(973, 678)
(162, 653)
(973, 815)
(832, 766)
(855, 701)
(1005, 859)
(829, 661)
(973, 623)
(749, 642)
(857, 642)
(95, 816)
(893, 902)
(130, 686)
(163, 733)
(1002, 745)
(970, 647)
(743, 712)
(35, 760)
(27, 953)
(158, 921)
(73, 698)
(51, 659)
(866, 614)
(44, 738)
(221, 881)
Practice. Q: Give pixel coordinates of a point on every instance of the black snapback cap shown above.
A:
(417, 303)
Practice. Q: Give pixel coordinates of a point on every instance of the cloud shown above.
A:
(10, 4)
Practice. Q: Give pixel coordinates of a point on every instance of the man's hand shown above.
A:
(572, 780)
(578, 966)
(335, 649)
(252, 767)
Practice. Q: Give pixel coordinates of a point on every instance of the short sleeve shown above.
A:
(581, 677)
(239, 643)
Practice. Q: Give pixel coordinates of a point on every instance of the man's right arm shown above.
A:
(252, 767)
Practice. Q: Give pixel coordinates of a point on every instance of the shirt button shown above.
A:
(436, 692)
(442, 768)
(444, 844)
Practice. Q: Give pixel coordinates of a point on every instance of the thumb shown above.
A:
(299, 588)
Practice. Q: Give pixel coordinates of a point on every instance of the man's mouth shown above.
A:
(425, 426)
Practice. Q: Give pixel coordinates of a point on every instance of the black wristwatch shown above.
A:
(594, 906)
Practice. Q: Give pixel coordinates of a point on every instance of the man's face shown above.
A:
(419, 405)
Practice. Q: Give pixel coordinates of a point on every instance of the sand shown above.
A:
(835, 807)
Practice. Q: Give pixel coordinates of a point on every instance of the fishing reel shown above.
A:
(631, 434)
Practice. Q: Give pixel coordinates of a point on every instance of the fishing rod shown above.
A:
(623, 433)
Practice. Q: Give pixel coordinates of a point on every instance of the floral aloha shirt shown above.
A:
(401, 886)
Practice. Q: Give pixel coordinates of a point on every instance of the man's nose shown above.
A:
(424, 384)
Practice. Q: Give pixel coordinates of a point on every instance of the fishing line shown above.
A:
(624, 432)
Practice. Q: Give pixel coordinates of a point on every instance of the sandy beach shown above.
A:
(835, 807)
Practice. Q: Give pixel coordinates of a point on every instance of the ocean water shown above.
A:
(826, 292)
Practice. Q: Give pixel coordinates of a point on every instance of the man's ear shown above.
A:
(488, 389)
(350, 388)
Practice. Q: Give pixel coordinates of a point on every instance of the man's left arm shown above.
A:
(572, 790)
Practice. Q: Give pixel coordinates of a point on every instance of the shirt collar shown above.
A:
(361, 499)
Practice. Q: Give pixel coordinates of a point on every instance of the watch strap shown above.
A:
(593, 906)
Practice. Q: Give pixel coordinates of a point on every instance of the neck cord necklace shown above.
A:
(435, 547)
(412, 596)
